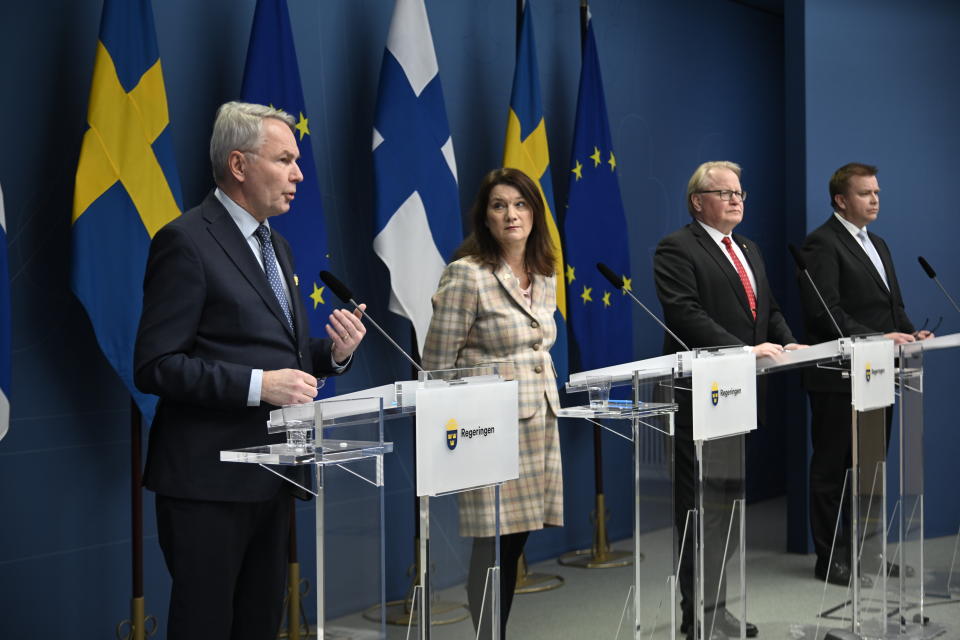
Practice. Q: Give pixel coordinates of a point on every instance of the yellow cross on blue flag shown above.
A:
(599, 316)
(272, 77)
(526, 149)
(127, 185)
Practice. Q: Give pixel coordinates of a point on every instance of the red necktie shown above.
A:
(744, 279)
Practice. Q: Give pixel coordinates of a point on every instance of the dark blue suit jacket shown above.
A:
(854, 291)
(210, 318)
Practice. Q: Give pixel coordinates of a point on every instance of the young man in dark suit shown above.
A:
(854, 272)
(223, 339)
(714, 291)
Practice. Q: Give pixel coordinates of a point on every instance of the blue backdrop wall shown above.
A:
(872, 82)
(686, 81)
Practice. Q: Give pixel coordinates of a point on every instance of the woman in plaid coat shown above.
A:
(496, 302)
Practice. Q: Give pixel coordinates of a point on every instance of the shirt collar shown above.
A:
(244, 221)
(715, 234)
(849, 226)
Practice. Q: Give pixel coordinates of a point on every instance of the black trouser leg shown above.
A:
(481, 559)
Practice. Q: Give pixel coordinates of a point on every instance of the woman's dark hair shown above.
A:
(538, 256)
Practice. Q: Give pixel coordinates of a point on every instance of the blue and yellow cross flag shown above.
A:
(5, 343)
(272, 77)
(127, 185)
(595, 228)
(526, 149)
(416, 203)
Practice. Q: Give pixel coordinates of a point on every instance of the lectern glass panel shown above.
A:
(720, 560)
(341, 463)
(869, 522)
(636, 425)
(458, 589)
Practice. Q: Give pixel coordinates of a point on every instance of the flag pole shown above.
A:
(294, 609)
(531, 582)
(136, 625)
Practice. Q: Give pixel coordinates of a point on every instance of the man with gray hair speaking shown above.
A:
(223, 339)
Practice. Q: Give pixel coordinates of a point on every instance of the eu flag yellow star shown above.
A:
(317, 295)
(570, 276)
(612, 162)
(577, 170)
(606, 298)
(596, 157)
(302, 126)
(627, 285)
(585, 296)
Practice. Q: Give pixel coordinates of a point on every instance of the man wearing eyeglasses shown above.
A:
(854, 271)
(713, 288)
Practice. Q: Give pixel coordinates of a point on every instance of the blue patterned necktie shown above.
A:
(871, 252)
(273, 273)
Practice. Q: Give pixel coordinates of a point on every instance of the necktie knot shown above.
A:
(726, 241)
(263, 234)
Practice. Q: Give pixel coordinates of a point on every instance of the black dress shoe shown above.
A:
(728, 624)
(839, 574)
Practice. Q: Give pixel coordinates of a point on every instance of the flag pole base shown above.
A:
(139, 626)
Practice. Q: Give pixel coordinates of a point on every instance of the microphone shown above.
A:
(617, 281)
(802, 265)
(341, 291)
(933, 276)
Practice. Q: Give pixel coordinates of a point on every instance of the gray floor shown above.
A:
(783, 597)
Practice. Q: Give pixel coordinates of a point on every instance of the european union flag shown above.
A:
(127, 185)
(526, 149)
(416, 205)
(272, 77)
(5, 342)
(596, 230)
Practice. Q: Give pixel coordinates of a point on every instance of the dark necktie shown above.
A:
(744, 278)
(273, 273)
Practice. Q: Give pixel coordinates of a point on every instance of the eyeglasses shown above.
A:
(726, 194)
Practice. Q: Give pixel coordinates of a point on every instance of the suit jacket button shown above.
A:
(538, 369)
(536, 346)
(534, 324)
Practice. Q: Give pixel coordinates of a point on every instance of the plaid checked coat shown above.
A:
(480, 316)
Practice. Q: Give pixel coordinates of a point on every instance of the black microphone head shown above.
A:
(926, 267)
(797, 257)
(339, 289)
(608, 273)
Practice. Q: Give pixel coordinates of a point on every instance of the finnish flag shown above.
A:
(416, 203)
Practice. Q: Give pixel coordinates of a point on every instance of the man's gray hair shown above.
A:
(239, 127)
(699, 178)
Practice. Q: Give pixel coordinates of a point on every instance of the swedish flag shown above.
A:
(526, 149)
(596, 231)
(272, 77)
(126, 186)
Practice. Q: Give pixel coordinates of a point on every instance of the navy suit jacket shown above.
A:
(210, 318)
(854, 291)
